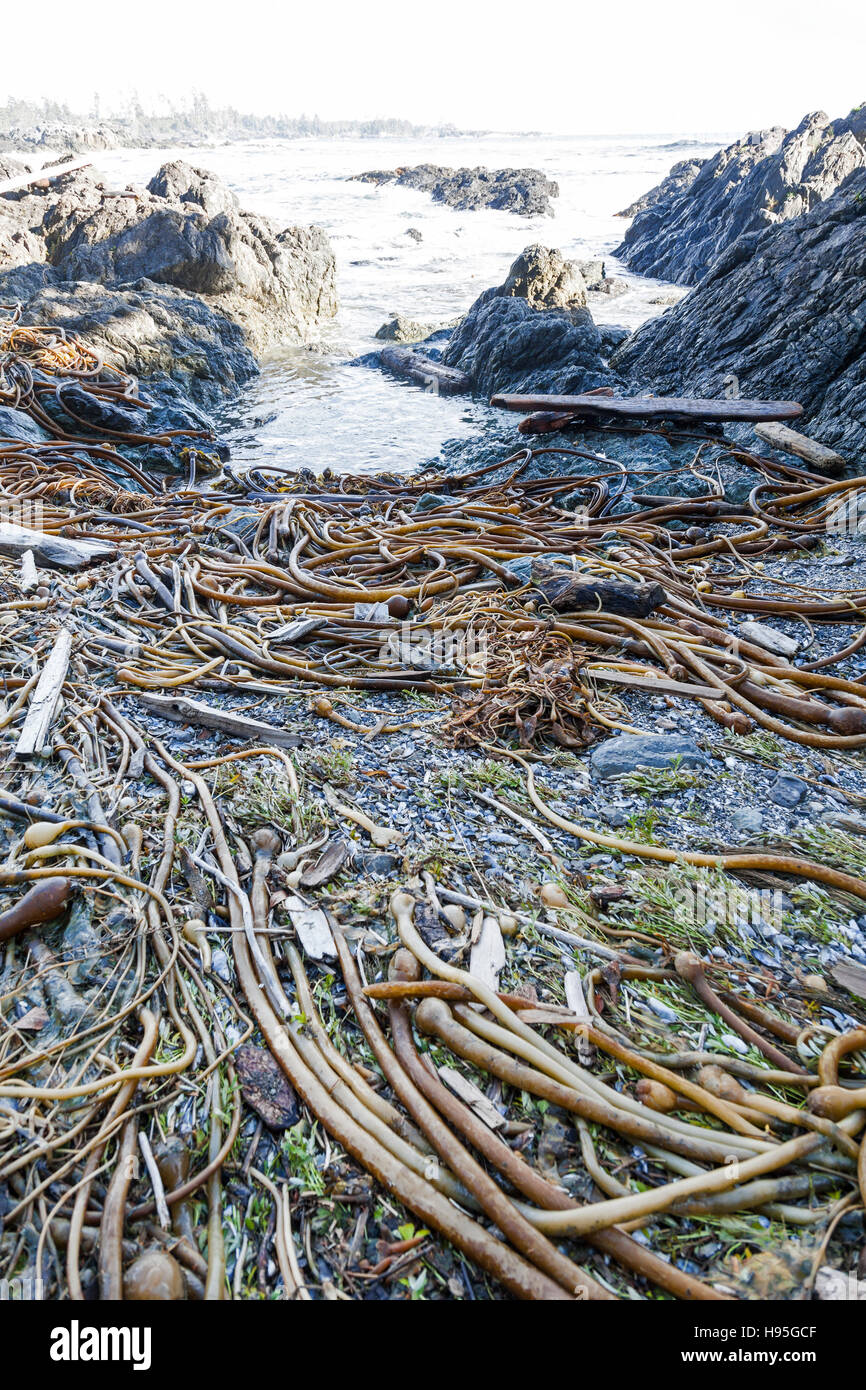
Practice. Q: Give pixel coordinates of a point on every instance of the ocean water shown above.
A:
(309, 407)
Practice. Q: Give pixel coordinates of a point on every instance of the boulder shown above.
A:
(505, 345)
(526, 192)
(627, 752)
(767, 178)
(781, 315)
(545, 280)
(531, 333)
(399, 329)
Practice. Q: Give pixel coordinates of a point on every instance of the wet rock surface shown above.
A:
(781, 315)
(526, 192)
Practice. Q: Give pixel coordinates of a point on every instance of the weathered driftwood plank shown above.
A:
(186, 711)
(790, 441)
(439, 380)
(472, 1096)
(29, 579)
(59, 552)
(659, 685)
(652, 407)
(44, 176)
(43, 703)
(487, 957)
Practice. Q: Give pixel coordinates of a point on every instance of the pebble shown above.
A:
(748, 820)
(787, 790)
(627, 752)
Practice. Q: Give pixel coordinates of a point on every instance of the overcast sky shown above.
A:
(658, 65)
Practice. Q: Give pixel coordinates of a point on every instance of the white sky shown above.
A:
(660, 65)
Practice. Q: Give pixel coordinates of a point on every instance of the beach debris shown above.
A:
(651, 407)
(265, 1088)
(417, 366)
(128, 1021)
(810, 450)
(183, 710)
(55, 551)
(472, 1096)
(312, 927)
(381, 835)
(41, 903)
(45, 698)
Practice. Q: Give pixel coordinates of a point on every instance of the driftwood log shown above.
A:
(45, 698)
(58, 552)
(651, 407)
(439, 380)
(789, 441)
(185, 711)
(43, 178)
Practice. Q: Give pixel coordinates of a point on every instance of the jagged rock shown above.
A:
(781, 315)
(187, 230)
(505, 345)
(524, 191)
(681, 176)
(545, 280)
(627, 752)
(176, 283)
(532, 332)
(767, 178)
(18, 244)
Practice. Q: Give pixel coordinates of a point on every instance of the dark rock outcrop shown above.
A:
(524, 335)
(152, 331)
(525, 191)
(681, 176)
(765, 179)
(781, 314)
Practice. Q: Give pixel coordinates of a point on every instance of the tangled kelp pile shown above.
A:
(522, 611)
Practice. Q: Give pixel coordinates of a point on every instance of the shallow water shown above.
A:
(309, 407)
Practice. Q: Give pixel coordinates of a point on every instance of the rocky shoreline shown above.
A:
(640, 837)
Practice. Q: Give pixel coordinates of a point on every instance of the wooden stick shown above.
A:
(43, 704)
(792, 442)
(56, 551)
(47, 175)
(653, 407)
(185, 711)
